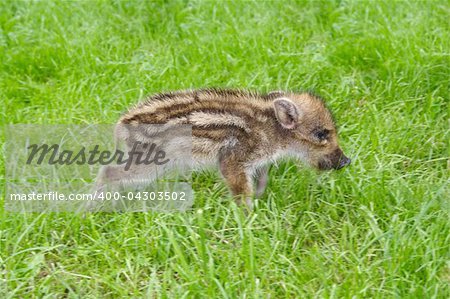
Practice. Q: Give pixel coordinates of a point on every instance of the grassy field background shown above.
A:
(378, 229)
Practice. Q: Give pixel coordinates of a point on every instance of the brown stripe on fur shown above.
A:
(161, 116)
(218, 133)
(173, 104)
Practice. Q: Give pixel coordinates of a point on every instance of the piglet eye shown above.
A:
(322, 134)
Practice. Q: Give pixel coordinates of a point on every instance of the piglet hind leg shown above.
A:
(261, 180)
(117, 178)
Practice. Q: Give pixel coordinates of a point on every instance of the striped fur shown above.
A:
(242, 131)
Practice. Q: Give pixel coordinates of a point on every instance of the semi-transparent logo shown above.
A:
(88, 168)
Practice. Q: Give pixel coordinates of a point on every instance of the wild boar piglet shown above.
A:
(239, 131)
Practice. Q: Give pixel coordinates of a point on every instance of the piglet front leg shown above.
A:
(238, 180)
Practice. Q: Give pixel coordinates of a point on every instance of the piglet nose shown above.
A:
(344, 161)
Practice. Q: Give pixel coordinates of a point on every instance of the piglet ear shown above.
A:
(287, 112)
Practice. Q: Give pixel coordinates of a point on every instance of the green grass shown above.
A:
(378, 229)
